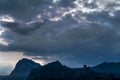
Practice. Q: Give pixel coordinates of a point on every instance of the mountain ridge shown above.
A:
(58, 71)
(27, 69)
(108, 67)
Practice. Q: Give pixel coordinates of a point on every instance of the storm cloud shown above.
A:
(78, 31)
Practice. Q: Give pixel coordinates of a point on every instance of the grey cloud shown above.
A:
(22, 28)
(91, 4)
(42, 58)
(74, 42)
(78, 37)
(27, 9)
(67, 3)
(23, 10)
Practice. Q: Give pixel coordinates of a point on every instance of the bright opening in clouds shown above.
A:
(75, 32)
(6, 18)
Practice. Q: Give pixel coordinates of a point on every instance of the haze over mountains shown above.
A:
(28, 70)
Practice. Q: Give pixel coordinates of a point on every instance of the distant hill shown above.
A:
(57, 71)
(22, 70)
(108, 67)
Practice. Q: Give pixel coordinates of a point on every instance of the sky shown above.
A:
(75, 32)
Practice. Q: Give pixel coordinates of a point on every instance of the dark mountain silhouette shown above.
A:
(108, 67)
(28, 70)
(1, 77)
(22, 70)
(57, 71)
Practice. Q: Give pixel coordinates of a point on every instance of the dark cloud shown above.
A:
(76, 45)
(16, 7)
(67, 3)
(82, 33)
(23, 29)
(26, 9)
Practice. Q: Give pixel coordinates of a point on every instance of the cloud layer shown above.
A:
(78, 31)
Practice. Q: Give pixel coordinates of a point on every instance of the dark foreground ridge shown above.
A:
(57, 71)
(28, 70)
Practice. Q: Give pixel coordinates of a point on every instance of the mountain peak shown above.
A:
(55, 63)
(25, 60)
(23, 67)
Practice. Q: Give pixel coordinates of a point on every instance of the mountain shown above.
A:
(22, 70)
(108, 67)
(57, 71)
(26, 69)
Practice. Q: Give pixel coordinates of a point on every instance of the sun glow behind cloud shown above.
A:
(6, 18)
(1, 30)
(2, 40)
